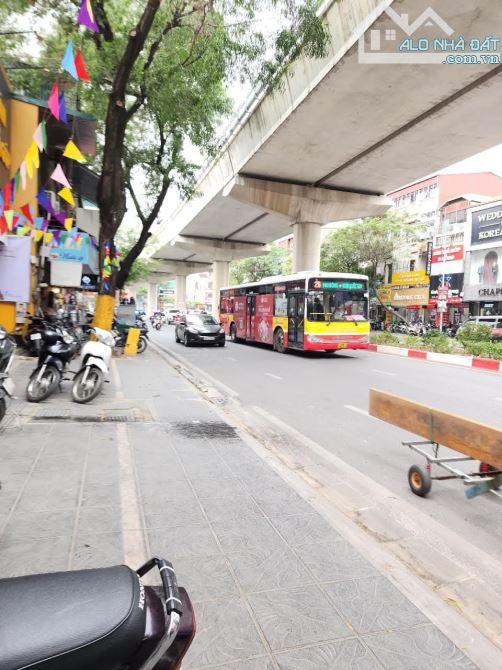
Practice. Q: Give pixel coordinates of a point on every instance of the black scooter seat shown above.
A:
(79, 620)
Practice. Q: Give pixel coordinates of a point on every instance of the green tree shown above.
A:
(159, 71)
(141, 267)
(276, 262)
(367, 245)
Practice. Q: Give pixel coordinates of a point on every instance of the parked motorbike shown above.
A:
(58, 349)
(7, 348)
(96, 357)
(121, 336)
(111, 620)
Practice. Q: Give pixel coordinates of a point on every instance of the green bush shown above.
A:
(385, 338)
(484, 349)
(438, 342)
(413, 342)
(474, 332)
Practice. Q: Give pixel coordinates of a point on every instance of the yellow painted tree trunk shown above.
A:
(103, 313)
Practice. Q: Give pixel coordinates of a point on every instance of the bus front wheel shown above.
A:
(279, 341)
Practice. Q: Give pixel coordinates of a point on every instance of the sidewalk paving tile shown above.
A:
(293, 617)
(424, 648)
(346, 655)
(373, 604)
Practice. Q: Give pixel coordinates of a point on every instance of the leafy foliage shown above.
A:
(276, 262)
(474, 332)
(483, 349)
(366, 245)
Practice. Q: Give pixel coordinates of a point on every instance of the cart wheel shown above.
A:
(419, 480)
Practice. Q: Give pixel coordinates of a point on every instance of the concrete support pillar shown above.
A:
(306, 246)
(152, 298)
(180, 295)
(220, 279)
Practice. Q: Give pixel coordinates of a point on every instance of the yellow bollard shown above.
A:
(131, 347)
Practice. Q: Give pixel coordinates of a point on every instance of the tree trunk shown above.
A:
(111, 187)
(134, 252)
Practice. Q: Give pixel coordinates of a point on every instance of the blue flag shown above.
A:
(68, 62)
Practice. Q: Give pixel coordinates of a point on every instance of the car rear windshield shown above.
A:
(205, 319)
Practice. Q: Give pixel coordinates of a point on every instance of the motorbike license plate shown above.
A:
(35, 336)
(8, 385)
(207, 337)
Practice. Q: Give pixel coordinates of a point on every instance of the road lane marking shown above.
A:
(356, 409)
(384, 372)
(269, 374)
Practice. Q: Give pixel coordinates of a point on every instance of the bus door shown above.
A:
(250, 312)
(296, 319)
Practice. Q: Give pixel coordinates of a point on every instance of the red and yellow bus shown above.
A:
(311, 311)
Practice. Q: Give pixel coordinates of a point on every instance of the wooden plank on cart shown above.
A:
(467, 436)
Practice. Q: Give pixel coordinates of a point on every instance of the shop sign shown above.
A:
(483, 280)
(486, 226)
(65, 247)
(428, 262)
(384, 294)
(446, 254)
(411, 278)
(447, 287)
(89, 282)
(403, 296)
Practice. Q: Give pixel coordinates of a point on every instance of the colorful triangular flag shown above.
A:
(27, 212)
(47, 238)
(68, 223)
(54, 100)
(86, 16)
(68, 62)
(3, 225)
(62, 109)
(67, 195)
(38, 222)
(57, 234)
(38, 235)
(6, 193)
(40, 136)
(32, 159)
(22, 170)
(59, 176)
(83, 75)
(9, 215)
(72, 151)
(17, 178)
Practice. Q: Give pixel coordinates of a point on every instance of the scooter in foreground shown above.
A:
(58, 349)
(111, 620)
(7, 347)
(96, 357)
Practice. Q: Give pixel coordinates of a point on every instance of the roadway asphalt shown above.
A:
(326, 399)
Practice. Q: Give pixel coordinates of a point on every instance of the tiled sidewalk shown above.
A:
(273, 584)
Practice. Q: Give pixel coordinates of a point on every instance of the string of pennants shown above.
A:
(23, 222)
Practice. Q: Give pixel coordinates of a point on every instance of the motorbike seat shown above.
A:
(79, 620)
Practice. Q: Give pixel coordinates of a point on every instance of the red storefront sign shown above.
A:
(453, 252)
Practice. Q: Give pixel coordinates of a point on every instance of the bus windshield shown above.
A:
(337, 306)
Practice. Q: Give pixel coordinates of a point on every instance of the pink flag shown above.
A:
(54, 100)
(38, 136)
(59, 176)
(86, 16)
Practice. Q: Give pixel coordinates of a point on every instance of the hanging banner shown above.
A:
(64, 246)
(15, 269)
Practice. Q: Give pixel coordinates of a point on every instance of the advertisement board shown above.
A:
(411, 278)
(449, 290)
(417, 295)
(384, 294)
(486, 225)
(15, 255)
(446, 254)
(483, 277)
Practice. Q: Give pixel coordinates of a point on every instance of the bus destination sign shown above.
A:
(342, 285)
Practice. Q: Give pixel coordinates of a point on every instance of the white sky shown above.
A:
(486, 161)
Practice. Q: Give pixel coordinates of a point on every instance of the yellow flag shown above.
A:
(38, 235)
(72, 151)
(68, 224)
(67, 195)
(47, 238)
(32, 159)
